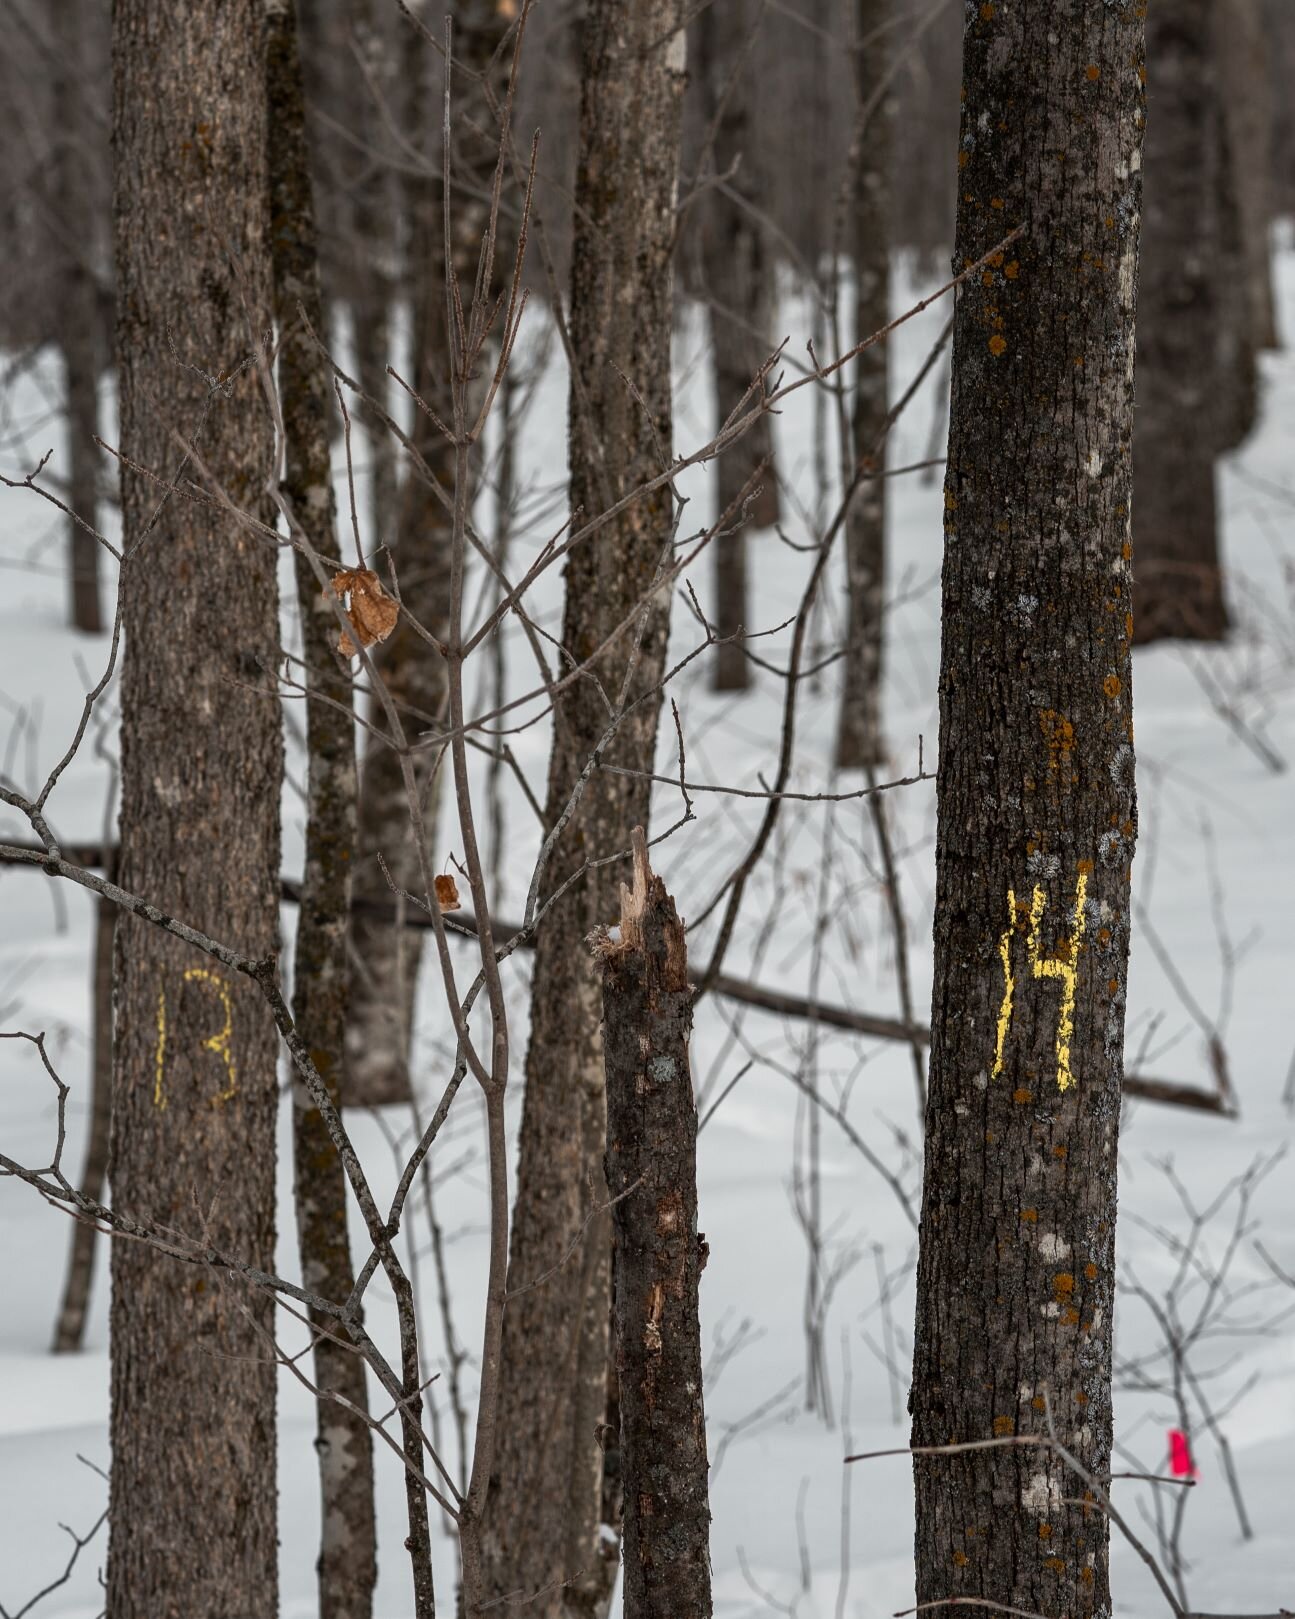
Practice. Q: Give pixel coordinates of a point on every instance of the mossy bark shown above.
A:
(546, 1485)
(347, 1564)
(1036, 813)
(193, 1494)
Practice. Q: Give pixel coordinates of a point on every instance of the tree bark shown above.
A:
(193, 1526)
(547, 1477)
(860, 742)
(1036, 814)
(382, 1014)
(1179, 580)
(78, 325)
(69, 1332)
(1244, 48)
(740, 293)
(660, 1254)
(347, 1565)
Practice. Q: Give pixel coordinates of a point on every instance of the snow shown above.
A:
(1213, 816)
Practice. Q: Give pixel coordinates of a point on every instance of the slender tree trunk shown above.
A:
(1244, 45)
(347, 1564)
(1036, 814)
(1179, 591)
(739, 276)
(69, 1333)
(859, 739)
(382, 1014)
(547, 1477)
(193, 1527)
(78, 324)
(652, 1173)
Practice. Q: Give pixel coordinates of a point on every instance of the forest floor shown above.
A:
(793, 1530)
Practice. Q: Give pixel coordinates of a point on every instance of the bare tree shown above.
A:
(347, 1564)
(547, 1480)
(1179, 589)
(860, 742)
(660, 1254)
(193, 1523)
(1036, 813)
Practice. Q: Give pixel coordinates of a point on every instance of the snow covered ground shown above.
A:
(1214, 870)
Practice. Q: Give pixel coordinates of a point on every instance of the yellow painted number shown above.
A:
(217, 1043)
(1062, 964)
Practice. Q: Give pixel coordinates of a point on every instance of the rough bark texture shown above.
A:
(546, 1483)
(388, 957)
(1179, 591)
(859, 740)
(347, 1564)
(652, 1171)
(1036, 812)
(738, 273)
(78, 318)
(69, 1331)
(193, 1527)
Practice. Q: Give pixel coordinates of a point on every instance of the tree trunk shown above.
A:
(652, 1172)
(1036, 814)
(194, 1087)
(1179, 589)
(78, 324)
(347, 1565)
(859, 739)
(69, 1333)
(1244, 51)
(387, 957)
(546, 1482)
(739, 285)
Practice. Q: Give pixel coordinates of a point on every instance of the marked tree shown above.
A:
(347, 1565)
(1181, 314)
(1036, 812)
(547, 1479)
(193, 1527)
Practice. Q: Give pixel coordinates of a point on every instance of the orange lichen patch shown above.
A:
(1003, 1426)
(1030, 1216)
(950, 501)
(1081, 1398)
(959, 1559)
(1058, 1152)
(1086, 1575)
(1085, 868)
(1126, 551)
(990, 1138)
(1070, 1317)
(963, 159)
(1055, 1564)
(1059, 735)
(986, 11)
(997, 345)
(1128, 829)
(1090, 1270)
(1104, 935)
(997, 261)
(1112, 985)
(1111, 686)
(986, 278)
(1022, 1096)
(997, 202)
(1063, 1284)
(1039, 1404)
(1092, 72)
(1045, 1531)
(1012, 270)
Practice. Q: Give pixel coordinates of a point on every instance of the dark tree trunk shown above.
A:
(388, 958)
(69, 1333)
(78, 320)
(1245, 49)
(739, 275)
(859, 741)
(1179, 590)
(652, 1172)
(194, 1090)
(546, 1481)
(347, 1563)
(1036, 814)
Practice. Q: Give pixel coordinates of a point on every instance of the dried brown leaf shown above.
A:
(372, 612)
(447, 893)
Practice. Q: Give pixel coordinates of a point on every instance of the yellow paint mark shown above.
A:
(1063, 965)
(217, 1043)
(1009, 984)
